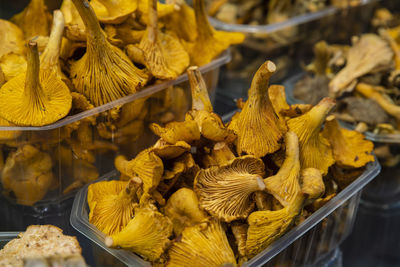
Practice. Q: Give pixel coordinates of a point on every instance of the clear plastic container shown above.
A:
(304, 245)
(5, 237)
(287, 44)
(82, 147)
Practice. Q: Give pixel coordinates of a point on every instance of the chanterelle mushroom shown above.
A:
(146, 234)
(88, 73)
(183, 210)
(315, 150)
(74, 26)
(34, 98)
(225, 192)
(370, 53)
(11, 38)
(209, 42)
(163, 54)
(258, 127)
(202, 246)
(113, 11)
(113, 208)
(350, 149)
(28, 174)
(210, 124)
(34, 20)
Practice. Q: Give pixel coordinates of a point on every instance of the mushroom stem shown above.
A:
(33, 90)
(259, 84)
(153, 19)
(204, 28)
(131, 188)
(51, 53)
(319, 113)
(200, 98)
(92, 25)
(372, 92)
(108, 241)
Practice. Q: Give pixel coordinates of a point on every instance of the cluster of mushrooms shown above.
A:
(85, 55)
(215, 193)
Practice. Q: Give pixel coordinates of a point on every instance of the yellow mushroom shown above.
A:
(12, 64)
(74, 26)
(11, 38)
(36, 98)
(28, 174)
(147, 166)
(312, 184)
(146, 234)
(113, 11)
(163, 54)
(209, 42)
(87, 74)
(173, 132)
(315, 150)
(257, 126)
(185, 31)
(112, 204)
(209, 123)
(183, 210)
(239, 230)
(225, 192)
(143, 10)
(203, 246)
(374, 93)
(167, 151)
(49, 59)
(34, 20)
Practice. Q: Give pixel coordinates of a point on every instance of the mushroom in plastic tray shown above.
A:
(221, 194)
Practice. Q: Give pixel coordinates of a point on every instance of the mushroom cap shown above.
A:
(113, 11)
(183, 210)
(315, 150)
(34, 20)
(28, 174)
(162, 10)
(185, 30)
(12, 64)
(11, 38)
(146, 234)
(225, 192)
(74, 26)
(111, 212)
(206, 245)
(350, 149)
(167, 151)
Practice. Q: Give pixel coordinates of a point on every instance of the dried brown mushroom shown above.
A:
(225, 192)
(34, 98)
(370, 53)
(315, 150)
(205, 245)
(34, 20)
(257, 126)
(122, 78)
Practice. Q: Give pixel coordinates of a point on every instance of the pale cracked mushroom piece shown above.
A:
(111, 212)
(315, 150)
(74, 26)
(350, 149)
(104, 73)
(202, 245)
(163, 53)
(146, 234)
(34, 98)
(258, 127)
(34, 20)
(225, 192)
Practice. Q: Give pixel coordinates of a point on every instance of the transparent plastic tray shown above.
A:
(304, 245)
(6, 237)
(81, 151)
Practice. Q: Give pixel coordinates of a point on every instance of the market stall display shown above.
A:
(205, 189)
(73, 99)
